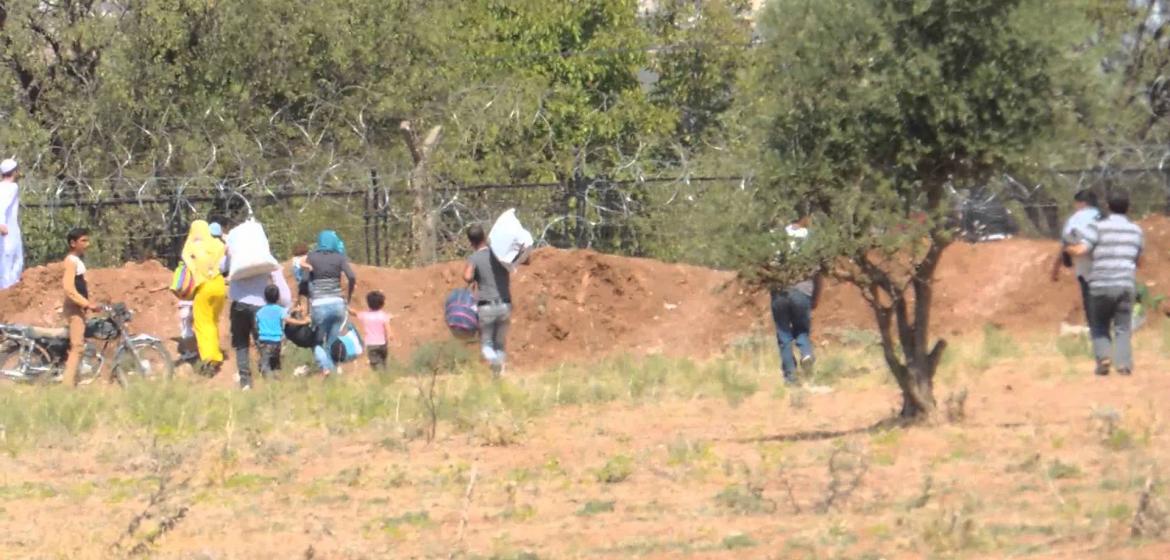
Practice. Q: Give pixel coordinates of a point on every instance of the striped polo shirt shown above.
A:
(1115, 244)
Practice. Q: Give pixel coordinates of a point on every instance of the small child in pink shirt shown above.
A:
(375, 329)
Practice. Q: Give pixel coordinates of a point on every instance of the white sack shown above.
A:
(508, 238)
(250, 255)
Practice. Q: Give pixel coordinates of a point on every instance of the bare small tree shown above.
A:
(423, 217)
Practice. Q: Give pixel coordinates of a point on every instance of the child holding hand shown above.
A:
(375, 329)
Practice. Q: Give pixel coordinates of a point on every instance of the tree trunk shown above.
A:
(918, 392)
(907, 330)
(423, 220)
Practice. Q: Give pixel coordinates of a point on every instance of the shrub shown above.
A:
(594, 507)
(745, 499)
(617, 469)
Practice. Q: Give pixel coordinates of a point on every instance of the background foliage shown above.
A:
(653, 129)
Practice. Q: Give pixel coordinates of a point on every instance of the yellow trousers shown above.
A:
(206, 309)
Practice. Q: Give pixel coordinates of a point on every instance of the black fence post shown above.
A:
(178, 229)
(581, 193)
(367, 216)
(383, 208)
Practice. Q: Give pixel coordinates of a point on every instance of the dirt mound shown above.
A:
(569, 305)
(576, 305)
(573, 306)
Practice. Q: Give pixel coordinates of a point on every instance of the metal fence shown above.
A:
(134, 220)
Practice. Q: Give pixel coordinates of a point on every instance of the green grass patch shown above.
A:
(494, 412)
(737, 541)
(1058, 470)
(616, 469)
(744, 500)
(248, 482)
(997, 345)
(27, 491)
(595, 507)
(683, 452)
(1074, 348)
(446, 356)
(392, 526)
(1119, 439)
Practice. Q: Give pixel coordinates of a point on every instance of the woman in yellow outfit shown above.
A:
(202, 253)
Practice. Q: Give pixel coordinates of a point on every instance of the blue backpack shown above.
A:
(460, 314)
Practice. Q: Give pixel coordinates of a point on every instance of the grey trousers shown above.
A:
(493, 329)
(1112, 321)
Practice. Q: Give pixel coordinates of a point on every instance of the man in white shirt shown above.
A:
(1086, 213)
(792, 308)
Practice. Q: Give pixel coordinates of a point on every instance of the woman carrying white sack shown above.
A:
(11, 242)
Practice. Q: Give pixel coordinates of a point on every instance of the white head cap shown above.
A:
(7, 166)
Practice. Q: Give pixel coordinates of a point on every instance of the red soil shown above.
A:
(578, 305)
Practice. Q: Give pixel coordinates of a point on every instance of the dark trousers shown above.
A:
(1086, 301)
(792, 314)
(243, 326)
(269, 358)
(1111, 326)
(378, 355)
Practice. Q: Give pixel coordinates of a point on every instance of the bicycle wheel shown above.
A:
(148, 362)
(25, 363)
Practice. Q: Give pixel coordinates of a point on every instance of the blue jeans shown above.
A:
(327, 318)
(792, 314)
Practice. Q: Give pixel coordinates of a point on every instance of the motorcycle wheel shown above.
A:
(26, 364)
(154, 364)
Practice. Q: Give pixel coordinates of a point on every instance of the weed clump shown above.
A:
(594, 507)
(447, 356)
(1058, 470)
(745, 499)
(616, 470)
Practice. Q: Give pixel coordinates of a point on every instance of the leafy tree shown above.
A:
(875, 110)
(702, 49)
(576, 66)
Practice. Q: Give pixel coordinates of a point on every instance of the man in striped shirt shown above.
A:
(1115, 246)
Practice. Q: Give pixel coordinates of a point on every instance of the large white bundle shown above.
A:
(508, 238)
(250, 255)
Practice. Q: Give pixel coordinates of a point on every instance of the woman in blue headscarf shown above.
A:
(328, 303)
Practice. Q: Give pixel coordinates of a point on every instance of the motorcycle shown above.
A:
(38, 354)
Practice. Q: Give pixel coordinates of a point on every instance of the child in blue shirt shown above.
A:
(270, 322)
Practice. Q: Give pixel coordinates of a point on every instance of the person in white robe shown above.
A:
(11, 243)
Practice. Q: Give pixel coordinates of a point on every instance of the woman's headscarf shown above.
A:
(329, 242)
(202, 252)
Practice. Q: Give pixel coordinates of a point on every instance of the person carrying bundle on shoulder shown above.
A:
(492, 284)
